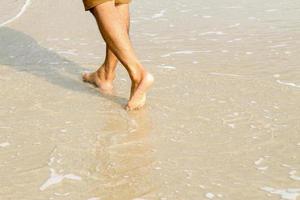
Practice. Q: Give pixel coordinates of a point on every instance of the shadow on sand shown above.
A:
(22, 53)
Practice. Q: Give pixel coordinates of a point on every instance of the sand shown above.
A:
(221, 121)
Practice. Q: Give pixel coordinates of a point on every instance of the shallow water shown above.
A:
(222, 120)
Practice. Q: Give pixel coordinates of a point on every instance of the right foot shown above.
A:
(94, 78)
(138, 95)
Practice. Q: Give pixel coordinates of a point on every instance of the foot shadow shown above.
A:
(23, 53)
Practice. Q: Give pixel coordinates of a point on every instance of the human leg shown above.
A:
(104, 76)
(116, 37)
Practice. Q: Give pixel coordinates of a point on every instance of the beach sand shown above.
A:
(221, 121)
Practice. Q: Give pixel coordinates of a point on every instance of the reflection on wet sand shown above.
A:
(124, 168)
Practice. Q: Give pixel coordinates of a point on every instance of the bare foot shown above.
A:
(138, 92)
(94, 78)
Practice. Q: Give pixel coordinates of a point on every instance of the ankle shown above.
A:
(136, 76)
(136, 72)
(105, 74)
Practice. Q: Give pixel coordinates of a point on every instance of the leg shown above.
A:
(111, 60)
(105, 75)
(116, 37)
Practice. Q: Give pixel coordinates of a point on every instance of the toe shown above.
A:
(85, 76)
(127, 108)
(139, 107)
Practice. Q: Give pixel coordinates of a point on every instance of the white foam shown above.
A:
(293, 175)
(223, 74)
(23, 9)
(287, 194)
(252, 18)
(287, 166)
(185, 11)
(94, 198)
(69, 52)
(288, 83)
(278, 46)
(54, 63)
(209, 195)
(263, 168)
(166, 67)
(56, 178)
(183, 52)
(150, 34)
(236, 39)
(231, 125)
(234, 25)
(271, 10)
(5, 144)
(212, 33)
(61, 194)
(158, 15)
(259, 161)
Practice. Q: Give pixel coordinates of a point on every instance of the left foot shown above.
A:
(96, 79)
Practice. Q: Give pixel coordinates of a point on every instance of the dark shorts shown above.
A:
(88, 4)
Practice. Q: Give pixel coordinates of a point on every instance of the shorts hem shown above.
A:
(89, 4)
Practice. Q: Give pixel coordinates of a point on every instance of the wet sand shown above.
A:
(221, 122)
